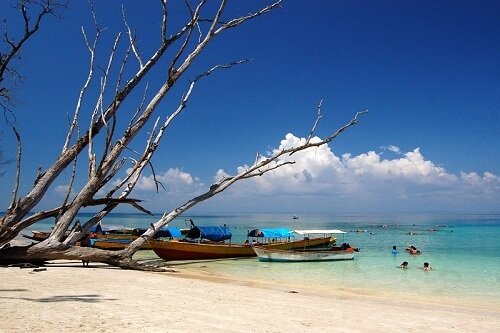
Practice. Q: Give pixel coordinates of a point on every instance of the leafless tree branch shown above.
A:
(132, 39)
(318, 118)
(13, 202)
(92, 49)
(30, 27)
(183, 50)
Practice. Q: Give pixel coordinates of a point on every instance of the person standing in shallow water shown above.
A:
(427, 267)
(404, 265)
(394, 250)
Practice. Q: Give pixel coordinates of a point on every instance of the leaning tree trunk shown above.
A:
(32, 254)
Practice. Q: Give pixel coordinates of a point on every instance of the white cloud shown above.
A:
(321, 180)
(61, 189)
(172, 179)
(411, 167)
(392, 148)
(176, 188)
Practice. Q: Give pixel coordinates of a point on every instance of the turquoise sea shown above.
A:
(463, 250)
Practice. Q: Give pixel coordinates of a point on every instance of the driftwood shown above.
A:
(104, 164)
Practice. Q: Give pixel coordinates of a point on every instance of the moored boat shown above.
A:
(115, 232)
(38, 236)
(277, 255)
(112, 239)
(120, 241)
(208, 247)
(113, 244)
(343, 252)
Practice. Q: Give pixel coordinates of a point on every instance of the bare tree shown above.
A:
(32, 13)
(3, 163)
(104, 164)
(11, 46)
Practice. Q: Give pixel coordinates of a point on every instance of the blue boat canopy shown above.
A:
(215, 233)
(170, 232)
(271, 233)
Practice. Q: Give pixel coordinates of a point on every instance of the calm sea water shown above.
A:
(463, 250)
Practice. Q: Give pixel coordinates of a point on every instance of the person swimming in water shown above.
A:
(413, 250)
(427, 267)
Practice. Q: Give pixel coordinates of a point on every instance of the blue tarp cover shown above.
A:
(271, 233)
(215, 234)
(169, 232)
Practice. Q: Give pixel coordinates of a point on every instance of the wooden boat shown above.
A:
(96, 232)
(114, 244)
(120, 241)
(125, 234)
(278, 255)
(183, 250)
(218, 249)
(38, 236)
(113, 239)
(109, 244)
(343, 252)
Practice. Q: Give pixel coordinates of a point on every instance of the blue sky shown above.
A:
(428, 71)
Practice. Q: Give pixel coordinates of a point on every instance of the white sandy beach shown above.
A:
(67, 297)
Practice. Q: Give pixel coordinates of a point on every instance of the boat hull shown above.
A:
(40, 236)
(110, 241)
(277, 255)
(180, 250)
(115, 244)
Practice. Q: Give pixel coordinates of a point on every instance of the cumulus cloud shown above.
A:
(411, 167)
(321, 179)
(174, 188)
(172, 180)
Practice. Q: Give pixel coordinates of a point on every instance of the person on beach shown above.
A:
(404, 265)
(394, 251)
(427, 267)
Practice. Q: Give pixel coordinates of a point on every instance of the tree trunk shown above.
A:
(39, 255)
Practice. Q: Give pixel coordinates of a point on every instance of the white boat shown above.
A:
(344, 252)
(303, 255)
(314, 233)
